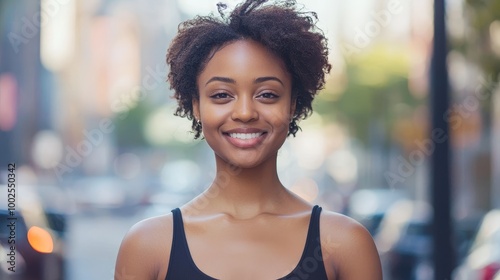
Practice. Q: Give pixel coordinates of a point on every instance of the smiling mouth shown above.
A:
(245, 136)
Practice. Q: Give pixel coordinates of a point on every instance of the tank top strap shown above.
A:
(313, 242)
(179, 249)
(181, 264)
(178, 225)
(311, 264)
(314, 223)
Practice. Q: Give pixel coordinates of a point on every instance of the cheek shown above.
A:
(212, 114)
(280, 119)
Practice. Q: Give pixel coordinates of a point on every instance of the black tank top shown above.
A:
(181, 265)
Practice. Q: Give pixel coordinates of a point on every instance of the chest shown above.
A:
(260, 249)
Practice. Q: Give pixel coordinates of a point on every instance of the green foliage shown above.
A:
(480, 14)
(476, 43)
(376, 84)
(129, 132)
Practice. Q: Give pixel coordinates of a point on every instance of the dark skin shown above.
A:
(247, 219)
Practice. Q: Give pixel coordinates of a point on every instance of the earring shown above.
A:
(198, 124)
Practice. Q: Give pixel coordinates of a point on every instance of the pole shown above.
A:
(443, 256)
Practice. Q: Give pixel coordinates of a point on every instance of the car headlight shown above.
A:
(40, 240)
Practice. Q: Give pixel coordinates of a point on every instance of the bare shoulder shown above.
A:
(348, 248)
(342, 228)
(145, 250)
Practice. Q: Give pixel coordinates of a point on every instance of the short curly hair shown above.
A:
(281, 27)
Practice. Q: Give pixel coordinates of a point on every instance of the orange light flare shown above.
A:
(40, 240)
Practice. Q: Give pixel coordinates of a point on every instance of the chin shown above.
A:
(243, 162)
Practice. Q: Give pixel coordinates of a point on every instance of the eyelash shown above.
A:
(273, 95)
(224, 95)
(218, 95)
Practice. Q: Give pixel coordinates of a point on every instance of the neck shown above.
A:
(246, 192)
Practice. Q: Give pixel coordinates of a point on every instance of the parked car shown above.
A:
(483, 260)
(368, 206)
(404, 241)
(32, 234)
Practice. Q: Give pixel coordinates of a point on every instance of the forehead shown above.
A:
(244, 58)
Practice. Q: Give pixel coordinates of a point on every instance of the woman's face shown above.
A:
(245, 103)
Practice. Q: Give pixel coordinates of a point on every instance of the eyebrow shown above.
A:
(232, 81)
(270, 78)
(221, 79)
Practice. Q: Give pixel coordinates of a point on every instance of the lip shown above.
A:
(244, 130)
(245, 143)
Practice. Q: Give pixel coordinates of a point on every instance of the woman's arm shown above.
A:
(349, 248)
(144, 252)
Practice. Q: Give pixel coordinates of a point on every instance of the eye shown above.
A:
(268, 95)
(220, 95)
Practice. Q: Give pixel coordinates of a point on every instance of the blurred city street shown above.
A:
(90, 144)
(93, 244)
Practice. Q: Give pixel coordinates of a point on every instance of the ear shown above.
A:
(293, 105)
(196, 108)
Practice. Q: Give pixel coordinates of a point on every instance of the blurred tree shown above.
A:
(375, 94)
(129, 126)
(478, 45)
(130, 131)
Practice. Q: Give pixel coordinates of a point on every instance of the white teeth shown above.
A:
(245, 136)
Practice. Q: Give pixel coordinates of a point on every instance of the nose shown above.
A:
(244, 110)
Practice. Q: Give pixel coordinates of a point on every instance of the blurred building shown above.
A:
(119, 63)
(25, 107)
(70, 69)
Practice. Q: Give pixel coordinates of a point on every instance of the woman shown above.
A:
(244, 81)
